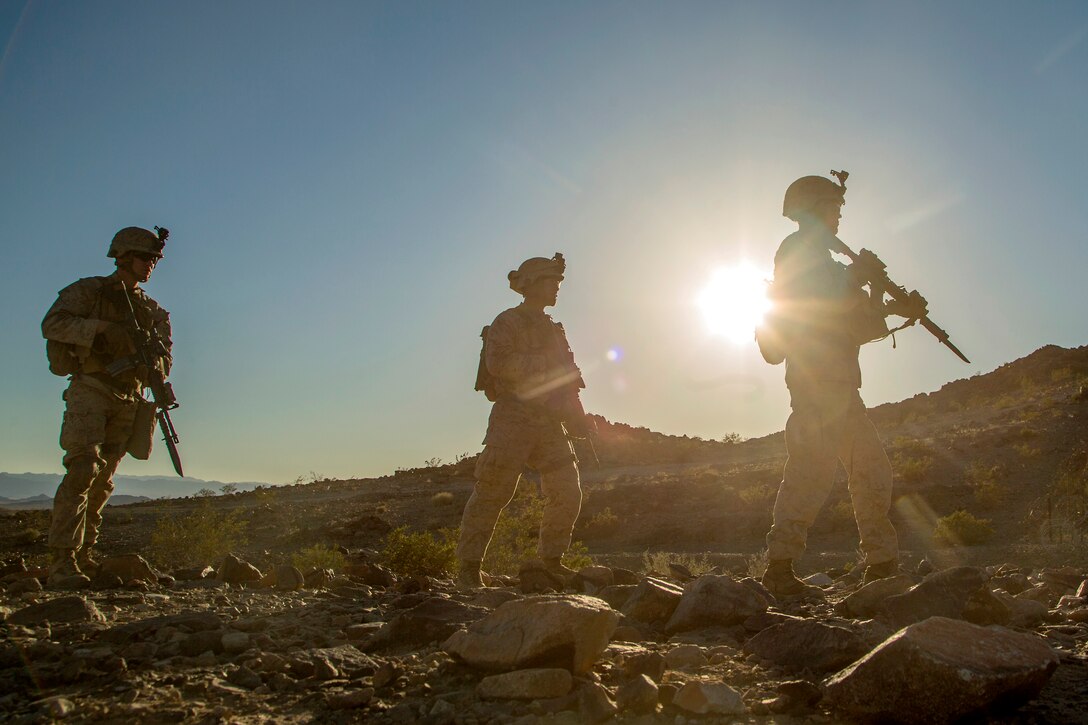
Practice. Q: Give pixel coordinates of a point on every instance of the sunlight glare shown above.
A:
(735, 301)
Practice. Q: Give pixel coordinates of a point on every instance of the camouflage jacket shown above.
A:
(74, 317)
(818, 301)
(528, 355)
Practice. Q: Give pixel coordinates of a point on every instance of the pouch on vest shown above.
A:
(143, 430)
(485, 381)
(62, 358)
(769, 339)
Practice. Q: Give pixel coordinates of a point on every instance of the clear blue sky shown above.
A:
(347, 185)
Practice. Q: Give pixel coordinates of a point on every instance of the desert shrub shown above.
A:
(603, 521)
(987, 484)
(442, 498)
(840, 515)
(1026, 450)
(420, 553)
(202, 537)
(577, 556)
(759, 495)
(25, 536)
(205, 493)
(961, 528)
(1061, 375)
(318, 556)
(757, 563)
(517, 533)
(657, 562)
(911, 469)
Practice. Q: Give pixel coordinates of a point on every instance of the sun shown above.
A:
(734, 301)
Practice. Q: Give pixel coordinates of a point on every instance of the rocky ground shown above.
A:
(663, 625)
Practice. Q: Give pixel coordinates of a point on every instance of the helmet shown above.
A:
(808, 191)
(137, 239)
(534, 269)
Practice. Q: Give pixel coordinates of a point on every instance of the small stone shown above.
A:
(594, 704)
(235, 642)
(706, 698)
(245, 677)
(351, 700)
(639, 695)
(60, 610)
(685, 656)
(530, 684)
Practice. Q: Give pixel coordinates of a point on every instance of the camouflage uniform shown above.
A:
(528, 356)
(825, 317)
(100, 408)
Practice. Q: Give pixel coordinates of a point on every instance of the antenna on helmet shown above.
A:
(841, 176)
(164, 233)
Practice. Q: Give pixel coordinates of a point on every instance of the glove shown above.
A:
(913, 307)
(114, 341)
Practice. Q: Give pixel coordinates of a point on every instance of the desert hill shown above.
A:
(990, 490)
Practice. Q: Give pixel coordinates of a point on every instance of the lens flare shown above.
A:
(734, 302)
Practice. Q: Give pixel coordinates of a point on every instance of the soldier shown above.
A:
(528, 371)
(87, 333)
(822, 317)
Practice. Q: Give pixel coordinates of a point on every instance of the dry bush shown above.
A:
(757, 564)
(204, 536)
(759, 495)
(961, 528)
(420, 553)
(443, 498)
(657, 562)
(318, 556)
(911, 469)
(987, 484)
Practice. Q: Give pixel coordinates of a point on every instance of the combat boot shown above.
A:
(554, 566)
(880, 571)
(469, 576)
(85, 560)
(64, 572)
(780, 581)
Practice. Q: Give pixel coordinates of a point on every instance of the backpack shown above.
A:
(485, 381)
(62, 358)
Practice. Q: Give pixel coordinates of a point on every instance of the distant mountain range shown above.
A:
(21, 490)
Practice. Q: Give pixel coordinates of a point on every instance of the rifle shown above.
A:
(566, 402)
(874, 271)
(149, 350)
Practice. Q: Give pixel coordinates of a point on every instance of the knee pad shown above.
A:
(84, 466)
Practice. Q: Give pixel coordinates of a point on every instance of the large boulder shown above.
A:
(805, 644)
(714, 600)
(940, 670)
(237, 571)
(944, 593)
(532, 684)
(867, 601)
(569, 631)
(431, 620)
(57, 611)
(653, 600)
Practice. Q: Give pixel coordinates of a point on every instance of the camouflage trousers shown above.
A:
(828, 425)
(519, 436)
(96, 429)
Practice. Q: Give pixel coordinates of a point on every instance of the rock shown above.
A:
(941, 594)
(807, 645)
(1065, 580)
(1023, 612)
(638, 695)
(685, 656)
(797, 696)
(532, 684)
(57, 707)
(432, 620)
(593, 579)
(819, 579)
(706, 698)
(715, 600)
(627, 633)
(344, 658)
(594, 704)
(1078, 615)
(623, 576)
(617, 595)
(983, 608)
(284, 577)
(200, 642)
(350, 700)
(324, 670)
(23, 585)
(127, 568)
(245, 677)
(570, 631)
(60, 610)
(235, 642)
(867, 601)
(761, 620)
(940, 670)
(651, 664)
(653, 600)
(1082, 589)
(1013, 583)
(143, 628)
(533, 578)
(236, 571)
(492, 598)
(194, 573)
